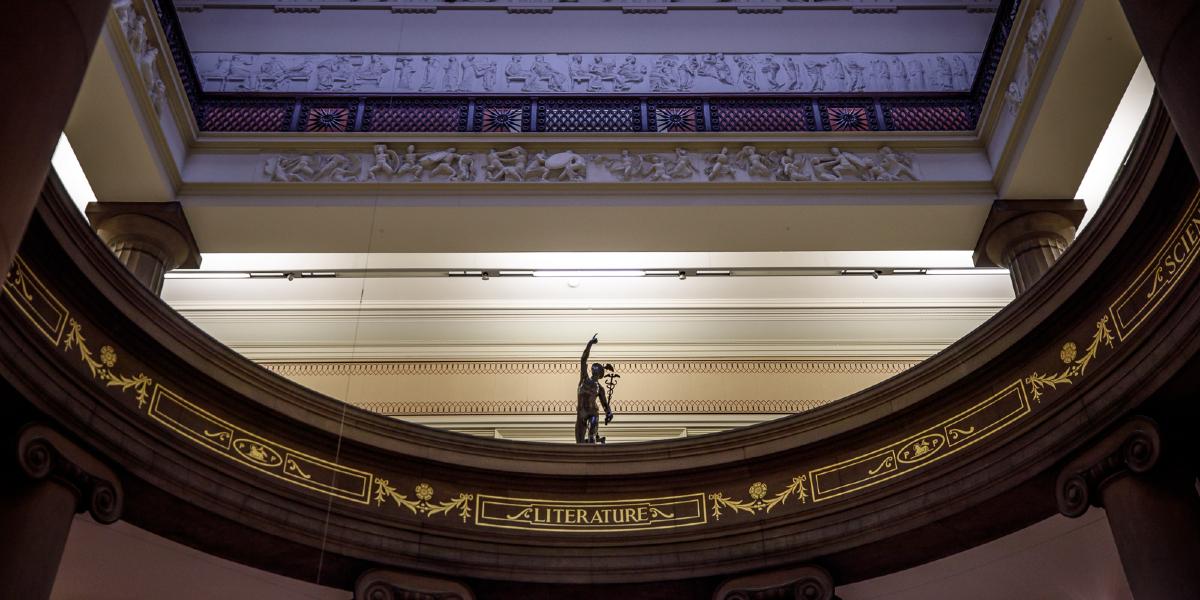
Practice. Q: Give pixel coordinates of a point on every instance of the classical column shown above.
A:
(44, 50)
(1168, 32)
(1027, 237)
(150, 238)
(1152, 504)
(57, 479)
(808, 582)
(383, 584)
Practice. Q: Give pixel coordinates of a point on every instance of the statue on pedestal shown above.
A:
(587, 412)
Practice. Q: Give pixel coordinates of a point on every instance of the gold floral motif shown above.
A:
(102, 369)
(758, 500)
(757, 490)
(423, 505)
(108, 356)
(1068, 352)
(1038, 381)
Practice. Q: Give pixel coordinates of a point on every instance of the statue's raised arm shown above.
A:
(583, 361)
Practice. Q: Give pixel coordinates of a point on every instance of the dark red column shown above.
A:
(44, 51)
(1168, 31)
(55, 480)
(1152, 505)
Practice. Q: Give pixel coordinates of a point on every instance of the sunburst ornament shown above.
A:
(669, 120)
(502, 120)
(327, 119)
(852, 118)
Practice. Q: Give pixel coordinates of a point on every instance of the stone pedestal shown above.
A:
(150, 238)
(1168, 32)
(44, 50)
(1152, 505)
(1027, 237)
(382, 584)
(58, 480)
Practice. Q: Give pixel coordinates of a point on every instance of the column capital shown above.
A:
(45, 454)
(150, 238)
(808, 582)
(383, 584)
(1131, 449)
(162, 224)
(1027, 237)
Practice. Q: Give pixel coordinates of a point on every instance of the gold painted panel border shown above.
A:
(256, 452)
(696, 500)
(16, 286)
(1162, 285)
(893, 456)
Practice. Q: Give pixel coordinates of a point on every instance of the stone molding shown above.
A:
(382, 584)
(565, 367)
(1132, 449)
(588, 74)
(808, 582)
(567, 406)
(45, 454)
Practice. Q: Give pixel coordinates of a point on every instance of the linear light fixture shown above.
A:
(591, 273)
(207, 275)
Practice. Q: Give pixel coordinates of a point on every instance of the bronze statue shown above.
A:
(587, 413)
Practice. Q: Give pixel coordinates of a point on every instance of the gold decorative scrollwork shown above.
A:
(1076, 367)
(424, 504)
(102, 369)
(758, 498)
(955, 434)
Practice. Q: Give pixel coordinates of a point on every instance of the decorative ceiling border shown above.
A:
(811, 112)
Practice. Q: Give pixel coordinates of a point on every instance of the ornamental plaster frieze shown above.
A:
(145, 54)
(576, 74)
(678, 406)
(334, 369)
(516, 164)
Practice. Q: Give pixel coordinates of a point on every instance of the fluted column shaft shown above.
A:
(149, 238)
(1152, 505)
(1027, 237)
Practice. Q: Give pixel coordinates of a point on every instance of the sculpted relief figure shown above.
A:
(568, 166)
(771, 69)
(899, 74)
(715, 67)
(650, 167)
(816, 73)
(599, 72)
(747, 76)
(793, 167)
(507, 165)
(756, 165)
(404, 72)
(894, 166)
(545, 75)
(916, 75)
(629, 74)
(854, 72)
(431, 65)
(446, 163)
(718, 165)
(313, 168)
